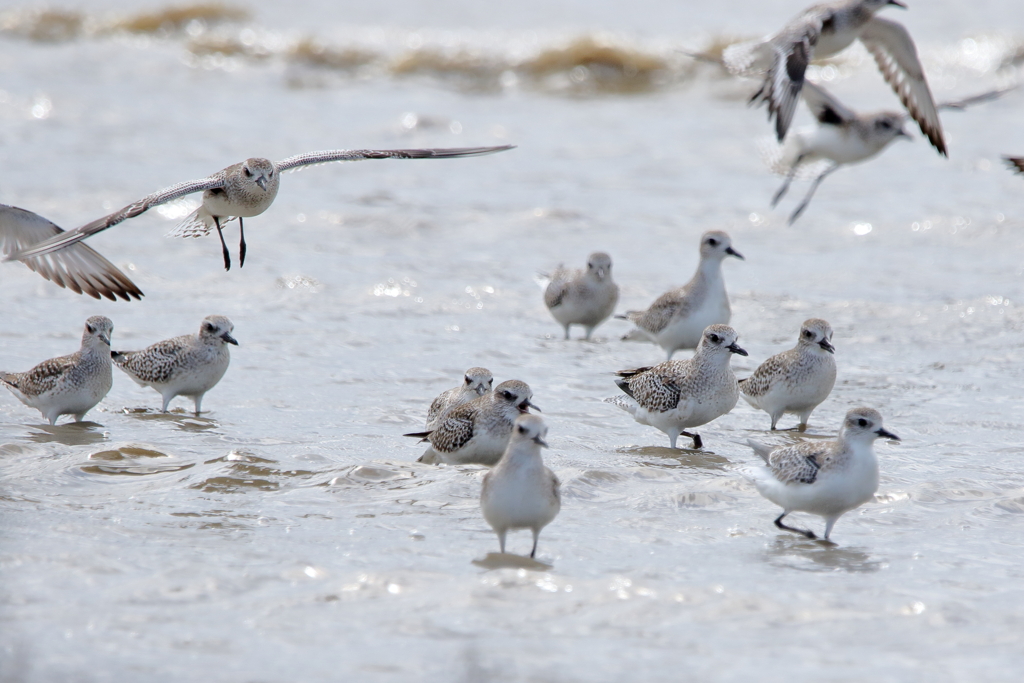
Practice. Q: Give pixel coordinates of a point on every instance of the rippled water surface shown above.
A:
(289, 533)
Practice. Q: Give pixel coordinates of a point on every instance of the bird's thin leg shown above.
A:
(789, 179)
(241, 243)
(536, 534)
(778, 523)
(810, 193)
(697, 443)
(223, 244)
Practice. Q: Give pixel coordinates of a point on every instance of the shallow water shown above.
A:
(288, 533)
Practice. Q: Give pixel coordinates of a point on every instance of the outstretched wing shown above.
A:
(79, 268)
(825, 107)
(975, 99)
(70, 237)
(894, 52)
(332, 155)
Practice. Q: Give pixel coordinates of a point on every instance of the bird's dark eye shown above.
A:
(248, 173)
(808, 334)
(90, 328)
(508, 395)
(210, 328)
(522, 429)
(862, 422)
(885, 124)
(468, 380)
(713, 242)
(714, 338)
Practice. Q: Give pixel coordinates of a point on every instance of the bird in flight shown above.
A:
(239, 191)
(825, 30)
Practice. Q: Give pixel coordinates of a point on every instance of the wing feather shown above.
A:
(894, 52)
(334, 155)
(78, 267)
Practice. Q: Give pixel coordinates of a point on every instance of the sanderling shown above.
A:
(476, 383)
(823, 478)
(72, 384)
(189, 365)
(520, 492)
(1015, 163)
(678, 394)
(822, 31)
(79, 267)
(478, 431)
(583, 297)
(797, 380)
(677, 318)
(240, 191)
(842, 136)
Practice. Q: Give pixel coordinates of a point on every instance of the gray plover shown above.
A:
(478, 431)
(239, 191)
(79, 267)
(476, 382)
(827, 478)
(840, 137)
(583, 297)
(797, 380)
(189, 365)
(676, 319)
(679, 394)
(520, 492)
(72, 384)
(822, 31)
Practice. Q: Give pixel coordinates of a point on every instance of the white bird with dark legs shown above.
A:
(797, 380)
(72, 384)
(680, 394)
(520, 492)
(476, 382)
(583, 297)
(677, 319)
(240, 191)
(189, 365)
(78, 267)
(477, 432)
(825, 30)
(840, 137)
(828, 478)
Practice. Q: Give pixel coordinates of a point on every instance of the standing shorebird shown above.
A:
(476, 383)
(822, 31)
(825, 479)
(679, 394)
(72, 384)
(583, 297)
(676, 320)
(189, 365)
(478, 431)
(240, 191)
(797, 380)
(520, 492)
(78, 267)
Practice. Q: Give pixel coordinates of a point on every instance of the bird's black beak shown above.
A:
(229, 339)
(540, 442)
(887, 434)
(735, 348)
(827, 345)
(525, 406)
(262, 182)
(732, 252)
(898, 4)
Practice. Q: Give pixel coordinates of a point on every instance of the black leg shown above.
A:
(241, 244)
(789, 179)
(810, 193)
(778, 523)
(697, 443)
(223, 244)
